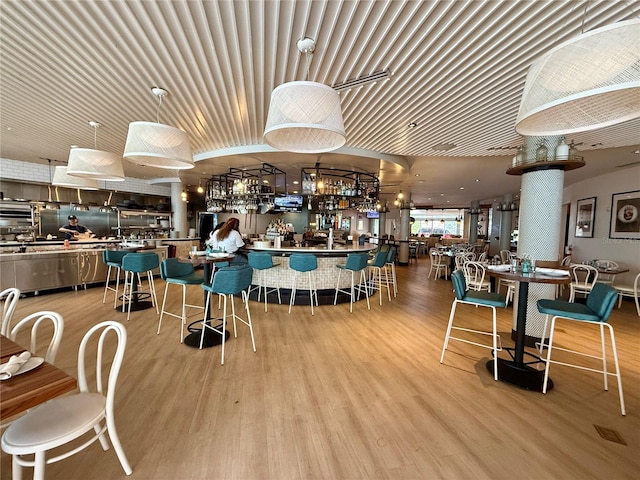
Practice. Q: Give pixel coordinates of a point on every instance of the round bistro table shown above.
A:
(516, 371)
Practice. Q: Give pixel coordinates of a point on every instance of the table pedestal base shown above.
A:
(211, 338)
(520, 375)
(135, 306)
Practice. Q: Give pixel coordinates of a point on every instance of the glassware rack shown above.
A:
(143, 223)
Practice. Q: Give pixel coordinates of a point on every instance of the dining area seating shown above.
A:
(176, 272)
(463, 295)
(9, 298)
(62, 420)
(439, 264)
(584, 278)
(594, 313)
(228, 282)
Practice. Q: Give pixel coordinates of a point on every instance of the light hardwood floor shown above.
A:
(348, 396)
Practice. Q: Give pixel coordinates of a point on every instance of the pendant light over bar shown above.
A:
(94, 163)
(61, 179)
(157, 145)
(589, 82)
(304, 116)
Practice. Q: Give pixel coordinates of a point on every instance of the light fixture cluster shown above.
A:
(148, 144)
(507, 206)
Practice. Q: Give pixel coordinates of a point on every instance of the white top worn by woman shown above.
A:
(230, 244)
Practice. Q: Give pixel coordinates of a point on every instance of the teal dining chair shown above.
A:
(595, 312)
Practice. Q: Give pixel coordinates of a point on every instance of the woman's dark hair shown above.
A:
(231, 224)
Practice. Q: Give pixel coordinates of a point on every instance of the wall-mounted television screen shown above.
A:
(288, 203)
(373, 214)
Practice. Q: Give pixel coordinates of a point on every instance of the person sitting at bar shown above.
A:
(73, 230)
(228, 238)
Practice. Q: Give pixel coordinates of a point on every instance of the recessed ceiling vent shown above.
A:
(363, 80)
(443, 147)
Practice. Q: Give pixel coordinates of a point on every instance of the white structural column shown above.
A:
(539, 226)
(179, 208)
(405, 230)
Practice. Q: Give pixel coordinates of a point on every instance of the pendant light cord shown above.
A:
(158, 109)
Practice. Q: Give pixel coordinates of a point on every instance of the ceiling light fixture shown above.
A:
(444, 147)
(589, 82)
(61, 179)
(94, 163)
(50, 205)
(158, 145)
(305, 116)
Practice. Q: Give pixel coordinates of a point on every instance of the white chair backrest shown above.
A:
(460, 261)
(482, 257)
(505, 256)
(584, 275)
(36, 320)
(474, 273)
(9, 297)
(118, 354)
(566, 261)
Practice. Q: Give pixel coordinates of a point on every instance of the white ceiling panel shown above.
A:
(457, 70)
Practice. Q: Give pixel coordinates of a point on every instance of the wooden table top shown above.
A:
(536, 277)
(22, 392)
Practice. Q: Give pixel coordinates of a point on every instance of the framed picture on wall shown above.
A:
(585, 217)
(625, 213)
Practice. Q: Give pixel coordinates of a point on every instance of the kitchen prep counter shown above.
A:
(34, 271)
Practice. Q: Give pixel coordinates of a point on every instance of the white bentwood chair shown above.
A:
(64, 419)
(10, 297)
(584, 278)
(36, 321)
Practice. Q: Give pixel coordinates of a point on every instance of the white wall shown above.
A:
(602, 247)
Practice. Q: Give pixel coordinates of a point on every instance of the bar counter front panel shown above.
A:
(326, 275)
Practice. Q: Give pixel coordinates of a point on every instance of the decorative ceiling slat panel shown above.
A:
(457, 70)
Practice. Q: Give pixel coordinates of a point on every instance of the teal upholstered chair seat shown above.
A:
(175, 272)
(479, 299)
(262, 262)
(228, 282)
(356, 263)
(600, 302)
(113, 259)
(304, 263)
(377, 268)
(133, 265)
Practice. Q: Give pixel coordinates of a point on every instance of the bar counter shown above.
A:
(326, 274)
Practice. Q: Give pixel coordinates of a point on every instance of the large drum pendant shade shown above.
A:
(158, 145)
(62, 179)
(589, 82)
(96, 164)
(305, 117)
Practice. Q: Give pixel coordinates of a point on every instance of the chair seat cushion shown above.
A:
(485, 298)
(576, 311)
(54, 423)
(195, 278)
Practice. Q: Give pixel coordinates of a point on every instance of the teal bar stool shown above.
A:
(391, 264)
(377, 267)
(479, 299)
(175, 272)
(356, 263)
(262, 262)
(228, 282)
(595, 312)
(113, 259)
(133, 265)
(304, 263)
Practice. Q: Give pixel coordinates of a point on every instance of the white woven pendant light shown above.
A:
(61, 179)
(158, 145)
(589, 82)
(93, 163)
(305, 117)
